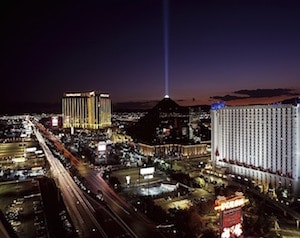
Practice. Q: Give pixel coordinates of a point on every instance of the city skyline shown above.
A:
(237, 52)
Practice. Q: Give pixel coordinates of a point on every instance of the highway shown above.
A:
(118, 216)
(91, 218)
(122, 214)
(134, 222)
(80, 209)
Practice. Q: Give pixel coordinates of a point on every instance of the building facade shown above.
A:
(169, 123)
(260, 142)
(184, 151)
(88, 110)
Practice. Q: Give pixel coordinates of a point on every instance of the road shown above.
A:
(80, 209)
(117, 218)
(123, 215)
(134, 222)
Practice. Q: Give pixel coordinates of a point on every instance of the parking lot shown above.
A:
(22, 206)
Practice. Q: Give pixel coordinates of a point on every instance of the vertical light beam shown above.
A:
(166, 44)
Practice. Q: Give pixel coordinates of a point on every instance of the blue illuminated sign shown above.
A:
(217, 105)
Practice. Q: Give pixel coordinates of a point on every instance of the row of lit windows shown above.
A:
(234, 140)
(82, 110)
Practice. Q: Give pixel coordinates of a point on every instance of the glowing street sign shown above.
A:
(223, 203)
(30, 149)
(54, 121)
(230, 214)
(101, 146)
(146, 171)
(73, 94)
(236, 230)
(228, 204)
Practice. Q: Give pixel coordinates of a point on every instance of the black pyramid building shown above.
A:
(167, 122)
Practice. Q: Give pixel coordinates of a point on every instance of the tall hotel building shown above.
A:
(90, 110)
(260, 142)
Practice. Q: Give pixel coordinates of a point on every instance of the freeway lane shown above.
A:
(80, 210)
(138, 224)
(91, 218)
(132, 222)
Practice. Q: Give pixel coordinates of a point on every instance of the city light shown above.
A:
(231, 204)
(147, 171)
(73, 94)
(230, 214)
(54, 121)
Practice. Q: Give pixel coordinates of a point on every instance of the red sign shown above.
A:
(231, 217)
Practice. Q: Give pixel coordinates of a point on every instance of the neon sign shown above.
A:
(224, 205)
(230, 209)
(235, 230)
(73, 94)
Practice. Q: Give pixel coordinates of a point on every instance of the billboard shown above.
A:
(230, 209)
(231, 217)
(101, 146)
(147, 171)
(30, 149)
(54, 121)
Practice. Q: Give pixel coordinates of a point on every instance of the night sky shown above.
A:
(217, 50)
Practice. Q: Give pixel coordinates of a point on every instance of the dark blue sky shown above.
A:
(216, 49)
